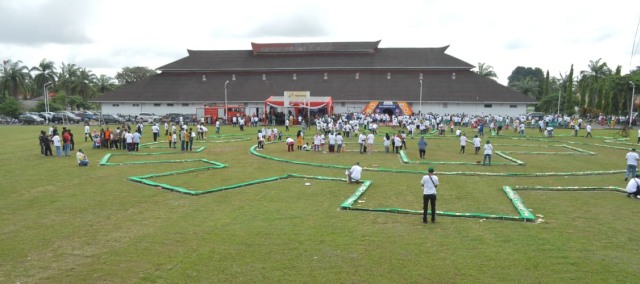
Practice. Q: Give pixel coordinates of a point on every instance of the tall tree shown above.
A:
(132, 74)
(45, 72)
(535, 75)
(14, 79)
(592, 79)
(104, 84)
(528, 86)
(486, 70)
(82, 84)
(569, 102)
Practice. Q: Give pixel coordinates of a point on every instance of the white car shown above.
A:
(147, 116)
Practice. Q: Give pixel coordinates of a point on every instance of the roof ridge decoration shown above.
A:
(314, 47)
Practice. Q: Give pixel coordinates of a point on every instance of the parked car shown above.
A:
(111, 118)
(87, 116)
(30, 119)
(65, 116)
(172, 117)
(147, 117)
(46, 115)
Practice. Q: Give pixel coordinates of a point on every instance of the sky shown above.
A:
(106, 35)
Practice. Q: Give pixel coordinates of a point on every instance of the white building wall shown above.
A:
(157, 108)
(252, 108)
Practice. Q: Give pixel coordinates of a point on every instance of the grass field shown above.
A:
(65, 224)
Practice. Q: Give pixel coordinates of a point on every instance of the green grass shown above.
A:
(66, 224)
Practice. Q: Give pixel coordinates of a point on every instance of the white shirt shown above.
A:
(429, 186)
(632, 158)
(397, 141)
(356, 172)
(289, 140)
(128, 137)
(463, 140)
(80, 157)
(476, 142)
(339, 139)
(588, 128)
(370, 138)
(488, 149)
(56, 141)
(86, 129)
(632, 185)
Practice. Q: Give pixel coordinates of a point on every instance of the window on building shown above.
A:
(169, 105)
(357, 75)
(326, 76)
(264, 77)
(115, 105)
(185, 105)
(388, 75)
(445, 105)
(488, 105)
(136, 105)
(157, 105)
(295, 77)
(233, 77)
(513, 106)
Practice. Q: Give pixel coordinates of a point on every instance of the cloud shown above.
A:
(301, 22)
(47, 21)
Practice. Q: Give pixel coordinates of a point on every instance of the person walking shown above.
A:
(632, 163)
(588, 131)
(476, 143)
(463, 143)
(488, 151)
(422, 147)
(429, 184)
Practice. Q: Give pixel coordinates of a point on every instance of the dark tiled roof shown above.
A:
(314, 47)
(182, 80)
(438, 86)
(382, 59)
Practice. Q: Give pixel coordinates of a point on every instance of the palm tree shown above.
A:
(104, 84)
(81, 84)
(528, 86)
(14, 79)
(592, 78)
(46, 72)
(486, 70)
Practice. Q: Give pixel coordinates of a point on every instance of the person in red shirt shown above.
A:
(66, 138)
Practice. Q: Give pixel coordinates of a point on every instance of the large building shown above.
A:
(353, 74)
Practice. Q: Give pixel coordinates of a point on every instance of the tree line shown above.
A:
(74, 86)
(587, 92)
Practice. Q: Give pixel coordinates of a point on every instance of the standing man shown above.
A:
(370, 139)
(632, 163)
(361, 141)
(166, 129)
(422, 147)
(588, 131)
(286, 125)
(156, 131)
(87, 133)
(488, 151)
(463, 143)
(354, 174)
(429, 184)
(218, 127)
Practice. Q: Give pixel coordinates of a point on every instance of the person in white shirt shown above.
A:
(156, 131)
(339, 142)
(633, 187)
(128, 136)
(632, 163)
(370, 138)
(57, 145)
(361, 141)
(332, 142)
(429, 184)
(476, 143)
(397, 143)
(82, 159)
(166, 128)
(354, 174)
(488, 151)
(588, 131)
(218, 127)
(87, 133)
(463, 143)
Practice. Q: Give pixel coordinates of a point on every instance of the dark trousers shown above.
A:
(422, 152)
(155, 136)
(426, 199)
(47, 150)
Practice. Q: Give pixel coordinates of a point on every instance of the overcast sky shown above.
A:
(106, 35)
